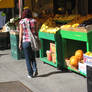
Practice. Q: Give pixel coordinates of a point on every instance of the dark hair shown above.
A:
(27, 13)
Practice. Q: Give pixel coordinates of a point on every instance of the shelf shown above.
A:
(48, 36)
(82, 36)
(46, 39)
(44, 59)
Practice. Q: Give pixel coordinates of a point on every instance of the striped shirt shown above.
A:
(31, 23)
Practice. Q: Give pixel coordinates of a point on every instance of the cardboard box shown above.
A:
(52, 47)
(54, 57)
(49, 56)
(87, 59)
(82, 67)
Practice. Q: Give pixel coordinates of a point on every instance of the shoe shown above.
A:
(29, 76)
(35, 74)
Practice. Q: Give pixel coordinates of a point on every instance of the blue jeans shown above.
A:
(30, 58)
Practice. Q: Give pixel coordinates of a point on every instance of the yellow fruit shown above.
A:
(75, 25)
(87, 53)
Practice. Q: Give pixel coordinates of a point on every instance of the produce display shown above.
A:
(65, 18)
(79, 61)
(78, 22)
(70, 23)
(49, 26)
(75, 59)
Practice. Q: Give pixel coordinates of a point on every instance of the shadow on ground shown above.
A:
(3, 54)
(55, 72)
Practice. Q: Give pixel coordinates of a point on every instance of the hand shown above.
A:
(20, 46)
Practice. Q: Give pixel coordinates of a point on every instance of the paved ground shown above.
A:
(49, 79)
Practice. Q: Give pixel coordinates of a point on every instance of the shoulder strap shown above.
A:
(29, 29)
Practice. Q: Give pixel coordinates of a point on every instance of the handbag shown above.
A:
(35, 41)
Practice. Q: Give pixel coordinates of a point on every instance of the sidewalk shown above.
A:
(49, 79)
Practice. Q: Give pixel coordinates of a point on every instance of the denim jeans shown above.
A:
(30, 58)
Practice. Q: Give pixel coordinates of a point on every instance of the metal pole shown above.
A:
(12, 12)
(20, 8)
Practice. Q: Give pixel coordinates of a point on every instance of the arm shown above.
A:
(20, 37)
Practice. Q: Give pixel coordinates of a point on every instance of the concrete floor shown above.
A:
(49, 79)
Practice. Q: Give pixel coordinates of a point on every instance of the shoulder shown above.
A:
(22, 21)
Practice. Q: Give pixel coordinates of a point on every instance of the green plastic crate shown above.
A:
(46, 39)
(15, 52)
(71, 41)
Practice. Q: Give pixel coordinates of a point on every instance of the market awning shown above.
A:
(6, 3)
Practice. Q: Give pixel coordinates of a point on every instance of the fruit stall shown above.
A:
(70, 30)
(74, 36)
(48, 35)
(72, 41)
(65, 35)
(50, 40)
(76, 41)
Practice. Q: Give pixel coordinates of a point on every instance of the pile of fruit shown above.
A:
(49, 26)
(80, 21)
(74, 60)
(65, 17)
(76, 21)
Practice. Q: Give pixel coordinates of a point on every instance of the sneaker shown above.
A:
(29, 76)
(35, 74)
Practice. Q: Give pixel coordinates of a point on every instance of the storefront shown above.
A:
(73, 26)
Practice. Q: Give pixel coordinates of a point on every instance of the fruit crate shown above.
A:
(71, 41)
(15, 52)
(46, 39)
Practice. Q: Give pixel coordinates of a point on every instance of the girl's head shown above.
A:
(27, 13)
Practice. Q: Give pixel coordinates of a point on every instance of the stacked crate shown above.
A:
(15, 52)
